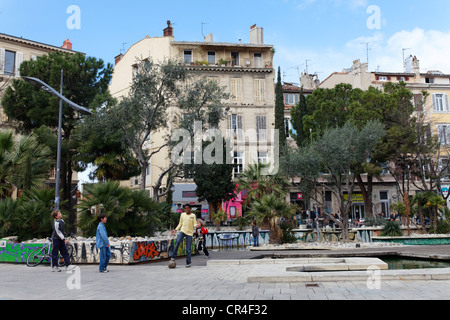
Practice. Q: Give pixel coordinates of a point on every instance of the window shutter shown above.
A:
(19, 60)
(236, 89)
(239, 127)
(446, 106)
(2, 61)
(259, 90)
(433, 97)
(261, 127)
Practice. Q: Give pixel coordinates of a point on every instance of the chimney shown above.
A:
(209, 38)
(168, 32)
(67, 44)
(118, 58)
(412, 65)
(256, 35)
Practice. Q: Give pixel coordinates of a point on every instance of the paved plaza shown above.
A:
(202, 282)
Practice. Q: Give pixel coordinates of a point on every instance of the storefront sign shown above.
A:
(356, 198)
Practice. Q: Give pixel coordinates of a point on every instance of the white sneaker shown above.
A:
(56, 269)
(70, 267)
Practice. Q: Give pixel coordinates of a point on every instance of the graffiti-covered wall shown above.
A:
(130, 251)
(234, 239)
(16, 252)
(122, 252)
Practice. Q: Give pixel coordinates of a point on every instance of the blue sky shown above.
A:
(328, 33)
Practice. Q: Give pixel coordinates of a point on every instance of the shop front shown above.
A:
(184, 193)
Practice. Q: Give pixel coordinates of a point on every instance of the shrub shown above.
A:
(391, 229)
(129, 212)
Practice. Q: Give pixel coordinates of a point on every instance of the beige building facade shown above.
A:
(14, 51)
(435, 109)
(245, 72)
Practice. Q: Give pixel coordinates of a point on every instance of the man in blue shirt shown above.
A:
(103, 243)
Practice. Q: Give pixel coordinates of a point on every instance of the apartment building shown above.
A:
(435, 83)
(243, 69)
(435, 107)
(15, 50)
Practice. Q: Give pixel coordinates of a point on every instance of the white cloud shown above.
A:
(431, 47)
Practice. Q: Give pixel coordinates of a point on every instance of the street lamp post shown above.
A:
(45, 87)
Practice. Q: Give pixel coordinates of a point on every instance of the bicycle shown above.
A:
(39, 255)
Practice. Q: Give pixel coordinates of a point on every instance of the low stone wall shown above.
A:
(129, 250)
(233, 239)
(416, 239)
(85, 251)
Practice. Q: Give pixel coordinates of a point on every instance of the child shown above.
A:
(102, 243)
(186, 227)
(200, 236)
(255, 234)
(59, 242)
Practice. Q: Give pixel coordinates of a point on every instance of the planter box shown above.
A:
(416, 240)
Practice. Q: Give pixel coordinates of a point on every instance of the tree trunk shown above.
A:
(274, 231)
(422, 221)
(366, 193)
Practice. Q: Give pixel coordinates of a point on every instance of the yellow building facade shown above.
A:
(245, 72)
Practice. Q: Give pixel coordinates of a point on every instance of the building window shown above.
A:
(235, 124)
(429, 80)
(211, 57)
(382, 78)
(261, 128)
(418, 101)
(236, 89)
(291, 99)
(260, 90)
(384, 203)
(239, 162)
(235, 58)
(443, 131)
(263, 158)
(440, 103)
(187, 56)
(258, 60)
(232, 212)
(10, 62)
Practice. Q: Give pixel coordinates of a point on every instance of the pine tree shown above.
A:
(279, 111)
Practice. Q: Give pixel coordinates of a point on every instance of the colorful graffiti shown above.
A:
(146, 250)
(17, 252)
(122, 252)
(129, 252)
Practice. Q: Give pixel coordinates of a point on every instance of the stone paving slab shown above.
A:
(208, 280)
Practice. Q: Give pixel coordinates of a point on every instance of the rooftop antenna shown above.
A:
(306, 66)
(367, 53)
(123, 47)
(203, 23)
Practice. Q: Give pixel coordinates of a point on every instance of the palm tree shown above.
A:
(420, 199)
(129, 212)
(435, 203)
(269, 209)
(257, 184)
(24, 163)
